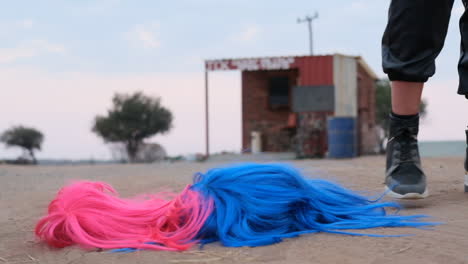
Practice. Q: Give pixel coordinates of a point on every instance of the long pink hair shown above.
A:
(90, 214)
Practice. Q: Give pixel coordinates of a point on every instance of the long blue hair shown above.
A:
(260, 204)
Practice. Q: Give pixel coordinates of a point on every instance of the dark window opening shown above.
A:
(278, 92)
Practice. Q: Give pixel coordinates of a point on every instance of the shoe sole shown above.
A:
(409, 196)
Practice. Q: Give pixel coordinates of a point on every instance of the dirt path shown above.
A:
(26, 191)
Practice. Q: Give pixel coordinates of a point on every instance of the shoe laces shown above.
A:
(406, 140)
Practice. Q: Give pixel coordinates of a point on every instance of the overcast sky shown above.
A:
(62, 61)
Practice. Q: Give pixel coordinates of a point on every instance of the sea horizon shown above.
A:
(442, 148)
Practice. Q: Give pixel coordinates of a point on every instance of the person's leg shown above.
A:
(406, 97)
(413, 38)
(463, 62)
(463, 74)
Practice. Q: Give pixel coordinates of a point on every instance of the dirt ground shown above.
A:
(26, 191)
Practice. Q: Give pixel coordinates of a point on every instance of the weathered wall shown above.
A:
(366, 113)
(257, 114)
(345, 82)
(354, 95)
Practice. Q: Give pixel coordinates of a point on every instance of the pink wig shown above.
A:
(90, 214)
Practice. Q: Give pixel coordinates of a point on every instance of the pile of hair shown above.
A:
(240, 205)
(90, 214)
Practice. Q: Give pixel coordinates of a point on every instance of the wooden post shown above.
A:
(207, 117)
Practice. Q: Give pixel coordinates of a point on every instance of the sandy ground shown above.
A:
(26, 191)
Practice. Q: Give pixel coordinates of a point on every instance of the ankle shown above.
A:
(400, 116)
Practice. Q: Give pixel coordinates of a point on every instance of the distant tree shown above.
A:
(147, 153)
(133, 118)
(26, 138)
(383, 101)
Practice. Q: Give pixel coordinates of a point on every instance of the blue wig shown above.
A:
(260, 204)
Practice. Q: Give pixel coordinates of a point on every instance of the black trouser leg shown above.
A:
(463, 63)
(413, 38)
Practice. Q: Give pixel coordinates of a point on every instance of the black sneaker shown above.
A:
(405, 178)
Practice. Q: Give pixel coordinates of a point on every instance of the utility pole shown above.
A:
(207, 118)
(309, 20)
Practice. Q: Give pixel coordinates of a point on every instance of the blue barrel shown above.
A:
(342, 137)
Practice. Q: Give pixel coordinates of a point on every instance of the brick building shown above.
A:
(288, 100)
